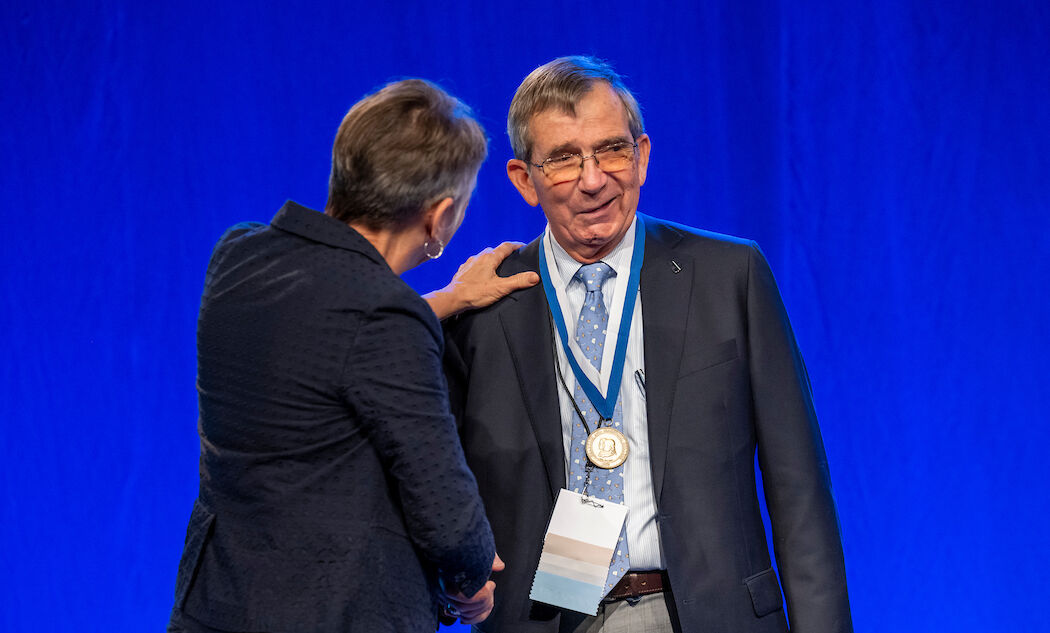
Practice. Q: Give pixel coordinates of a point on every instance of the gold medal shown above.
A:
(607, 448)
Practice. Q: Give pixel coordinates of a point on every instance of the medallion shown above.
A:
(607, 448)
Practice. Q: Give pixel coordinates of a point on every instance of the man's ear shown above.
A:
(644, 145)
(521, 178)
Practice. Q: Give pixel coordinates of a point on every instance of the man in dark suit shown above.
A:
(704, 371)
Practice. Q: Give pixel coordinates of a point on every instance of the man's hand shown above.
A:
(476, 608)
(476, 284)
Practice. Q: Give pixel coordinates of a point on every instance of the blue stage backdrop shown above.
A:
(890, 157)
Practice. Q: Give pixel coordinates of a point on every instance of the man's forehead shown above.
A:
(600, 94)
(598, 113)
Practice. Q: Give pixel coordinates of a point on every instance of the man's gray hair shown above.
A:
(400, 150)
(561, 84)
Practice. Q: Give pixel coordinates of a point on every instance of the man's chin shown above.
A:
(603, 232)
(596, 245)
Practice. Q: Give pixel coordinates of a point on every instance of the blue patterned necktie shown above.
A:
(590, 336)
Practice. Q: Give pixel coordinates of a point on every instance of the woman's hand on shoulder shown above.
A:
(476, 284)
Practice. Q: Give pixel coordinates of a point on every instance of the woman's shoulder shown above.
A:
(384, 295)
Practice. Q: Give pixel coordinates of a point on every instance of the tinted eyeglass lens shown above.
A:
(563, 167)
(562, 171)
(615, 158)
(566, 168)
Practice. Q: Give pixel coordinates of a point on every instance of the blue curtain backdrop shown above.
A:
(890, 157)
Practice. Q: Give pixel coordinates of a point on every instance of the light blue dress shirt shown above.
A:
(643, 535)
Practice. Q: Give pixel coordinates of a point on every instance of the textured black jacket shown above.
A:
(332, 485)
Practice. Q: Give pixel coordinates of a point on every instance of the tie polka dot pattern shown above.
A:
(591, 328)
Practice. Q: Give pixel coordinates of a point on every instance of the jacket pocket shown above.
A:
(197, 534)
(708, 356)
(765, 592)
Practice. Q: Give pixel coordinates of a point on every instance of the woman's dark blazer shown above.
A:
(333, 489)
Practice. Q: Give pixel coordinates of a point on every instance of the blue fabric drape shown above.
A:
(891, 158)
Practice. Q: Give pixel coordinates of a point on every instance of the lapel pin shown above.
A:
(675, 267)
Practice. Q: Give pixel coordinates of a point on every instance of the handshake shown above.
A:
(473, 609)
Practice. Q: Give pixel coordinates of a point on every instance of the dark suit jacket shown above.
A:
(332, 484)
(724, 380)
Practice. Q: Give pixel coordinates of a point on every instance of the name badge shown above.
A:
(577, 550)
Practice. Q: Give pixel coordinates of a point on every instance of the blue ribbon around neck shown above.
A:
(607, 403)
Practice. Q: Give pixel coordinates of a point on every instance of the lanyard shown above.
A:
(579, 414)
(604, 405)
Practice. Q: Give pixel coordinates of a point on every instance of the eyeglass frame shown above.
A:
(583, 159)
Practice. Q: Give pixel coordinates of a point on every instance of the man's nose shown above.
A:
(592, 178)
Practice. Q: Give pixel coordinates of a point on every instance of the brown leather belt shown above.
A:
(636, 584)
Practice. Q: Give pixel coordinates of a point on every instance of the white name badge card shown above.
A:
(577, 551)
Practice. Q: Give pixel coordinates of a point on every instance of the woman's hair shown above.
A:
(401, 149)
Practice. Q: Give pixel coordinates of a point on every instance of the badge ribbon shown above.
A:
(604, 404)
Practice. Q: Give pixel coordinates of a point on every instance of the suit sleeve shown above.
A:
(456, 371)
(794, 467)
(395, 384)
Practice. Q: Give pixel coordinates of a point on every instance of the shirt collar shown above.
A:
(619, 259)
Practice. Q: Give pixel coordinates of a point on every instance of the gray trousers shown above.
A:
(654, 613)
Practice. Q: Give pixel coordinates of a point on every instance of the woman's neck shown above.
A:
(402, 249)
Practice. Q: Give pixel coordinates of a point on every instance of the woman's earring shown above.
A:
(427, 247)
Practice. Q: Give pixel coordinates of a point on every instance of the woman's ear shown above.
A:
(442, 219)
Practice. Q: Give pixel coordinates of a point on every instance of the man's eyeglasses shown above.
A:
(568, 167)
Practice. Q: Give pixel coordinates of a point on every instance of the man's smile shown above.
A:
(601, 207)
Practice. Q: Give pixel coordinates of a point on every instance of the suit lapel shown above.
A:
(526, 326)
(666, 286)
(665, 296)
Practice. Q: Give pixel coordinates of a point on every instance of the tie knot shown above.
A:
(593, 275)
